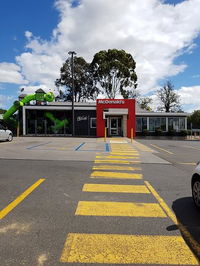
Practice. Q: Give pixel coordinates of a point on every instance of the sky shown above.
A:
(162, 36)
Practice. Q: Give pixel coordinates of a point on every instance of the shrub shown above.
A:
(145, 132)
(172, 132)
(158, 131)
(183, 133)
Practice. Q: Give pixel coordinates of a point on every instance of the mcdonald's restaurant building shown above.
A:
(118, 117)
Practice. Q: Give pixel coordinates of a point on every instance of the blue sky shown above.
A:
(41, 18)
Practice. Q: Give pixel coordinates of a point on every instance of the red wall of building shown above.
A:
(115, 103)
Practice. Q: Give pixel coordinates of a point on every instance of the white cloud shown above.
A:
(189, 98)
(5, 100)
(10, 73)
(28, 34)
(196, 76)
(32, 89)
(155, 33)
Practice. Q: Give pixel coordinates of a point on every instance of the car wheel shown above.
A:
(196, 192)
(10, 138)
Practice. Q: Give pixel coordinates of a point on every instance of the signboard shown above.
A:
(111, 102)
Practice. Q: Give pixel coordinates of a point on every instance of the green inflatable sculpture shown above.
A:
(39, 95)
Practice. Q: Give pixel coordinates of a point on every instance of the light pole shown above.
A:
(72, 53)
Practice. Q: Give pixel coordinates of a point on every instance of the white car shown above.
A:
(195, 183)
(5, 134)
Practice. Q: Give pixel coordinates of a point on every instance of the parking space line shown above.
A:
(141, 189)
(155, 146)
(189, 163)
(107, 147)
(81, 145)
(191, 147)
(161, 202)
(128, 209)
(19, 199)
(35, 146)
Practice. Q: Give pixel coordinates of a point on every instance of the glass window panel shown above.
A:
(182, 123)
(144, 123)
(151, 124)
(157, 123)
(173, 123)
(176, 124)
(138, 124)
(163, 123)
(93, 123)
(170, 123)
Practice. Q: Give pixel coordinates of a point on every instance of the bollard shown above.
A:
(131, 135)
(105, 135)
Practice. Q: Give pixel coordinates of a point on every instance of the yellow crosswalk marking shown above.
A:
(124, 154)
(115, 167)
(104, 174)
(115, 188)
(128, 209)
(127, 249)
(116, 157)
(117, 162)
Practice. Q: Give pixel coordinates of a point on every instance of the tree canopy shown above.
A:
(194, 119)
(2, 111)
(169, 99)
(83, 81)
(114, 72)
(145, 102)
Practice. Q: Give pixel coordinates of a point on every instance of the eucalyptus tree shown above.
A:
(169, 99)
(114, 73)
(84, 88)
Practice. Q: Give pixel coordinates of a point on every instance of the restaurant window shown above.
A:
(176, 123)
(141, 124)
(93, 122)
(157, 123)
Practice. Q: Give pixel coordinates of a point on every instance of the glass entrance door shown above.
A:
(114, 127)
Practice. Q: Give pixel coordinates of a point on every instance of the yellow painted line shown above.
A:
(117, 162)
(192, 147)
(115, 188)
(124, 153)
(123, 149)
(189, 239)
(19, 199)
(114, 167)
(126, 249)
(189, 163)
(103, 174)
(161, 202)
(169, 152)
(116, 157)
(128, 209)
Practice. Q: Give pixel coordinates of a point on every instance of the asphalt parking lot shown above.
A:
(81, 201)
